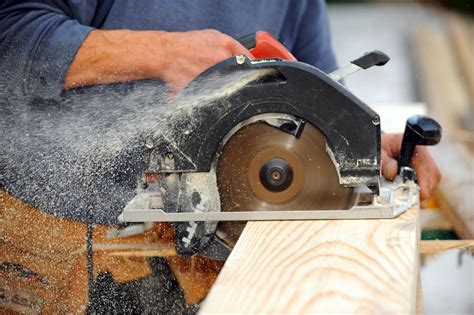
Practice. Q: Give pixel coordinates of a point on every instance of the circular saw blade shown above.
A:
(314, 179)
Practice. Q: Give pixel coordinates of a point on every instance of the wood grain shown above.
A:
(344, 266)
(420, 303)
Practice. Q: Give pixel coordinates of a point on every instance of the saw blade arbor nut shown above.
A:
(276, 175)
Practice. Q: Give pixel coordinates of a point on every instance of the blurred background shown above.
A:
(431, 45)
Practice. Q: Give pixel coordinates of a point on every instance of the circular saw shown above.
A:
(270, 139)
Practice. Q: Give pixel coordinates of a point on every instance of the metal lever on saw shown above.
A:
(368, 60)
(265, 45)
(419, 130)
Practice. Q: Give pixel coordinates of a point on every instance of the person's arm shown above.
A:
(49, 46)
(38, 40)
(108, 56)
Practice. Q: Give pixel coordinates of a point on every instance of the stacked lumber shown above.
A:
(446, 70)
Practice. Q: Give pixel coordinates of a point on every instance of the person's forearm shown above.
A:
(108, 56)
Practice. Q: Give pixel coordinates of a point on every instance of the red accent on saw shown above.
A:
(150, 177)
(267, 46)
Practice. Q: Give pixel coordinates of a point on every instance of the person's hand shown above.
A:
(190, 53)
(108, 56)
(426, 170)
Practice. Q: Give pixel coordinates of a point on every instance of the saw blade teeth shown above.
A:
(264, 168)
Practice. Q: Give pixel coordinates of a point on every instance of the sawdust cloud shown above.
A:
(87, 148)
(56, 153)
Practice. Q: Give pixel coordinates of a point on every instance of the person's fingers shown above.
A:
(237, 48)
(390, 150)
(422, 173)
(391, 143)
(389, 166)
(231, 45)
(240, 49)
(423, 204)
(428, 174)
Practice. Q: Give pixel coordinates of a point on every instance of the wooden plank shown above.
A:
(136, 249)
(440, 80)
(456, 206)
(463, 42)
(437, 246)
(448, 102)
(343, 266)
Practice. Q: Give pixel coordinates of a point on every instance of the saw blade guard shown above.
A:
(257, 87)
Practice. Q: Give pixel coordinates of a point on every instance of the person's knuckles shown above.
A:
(228, 41)
(210, 33)
(219, 39)
(234, 47)
(204, 40)
(219, 56)
(205, 58)
(218, 44)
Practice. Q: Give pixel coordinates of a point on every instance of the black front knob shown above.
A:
(419, 130)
